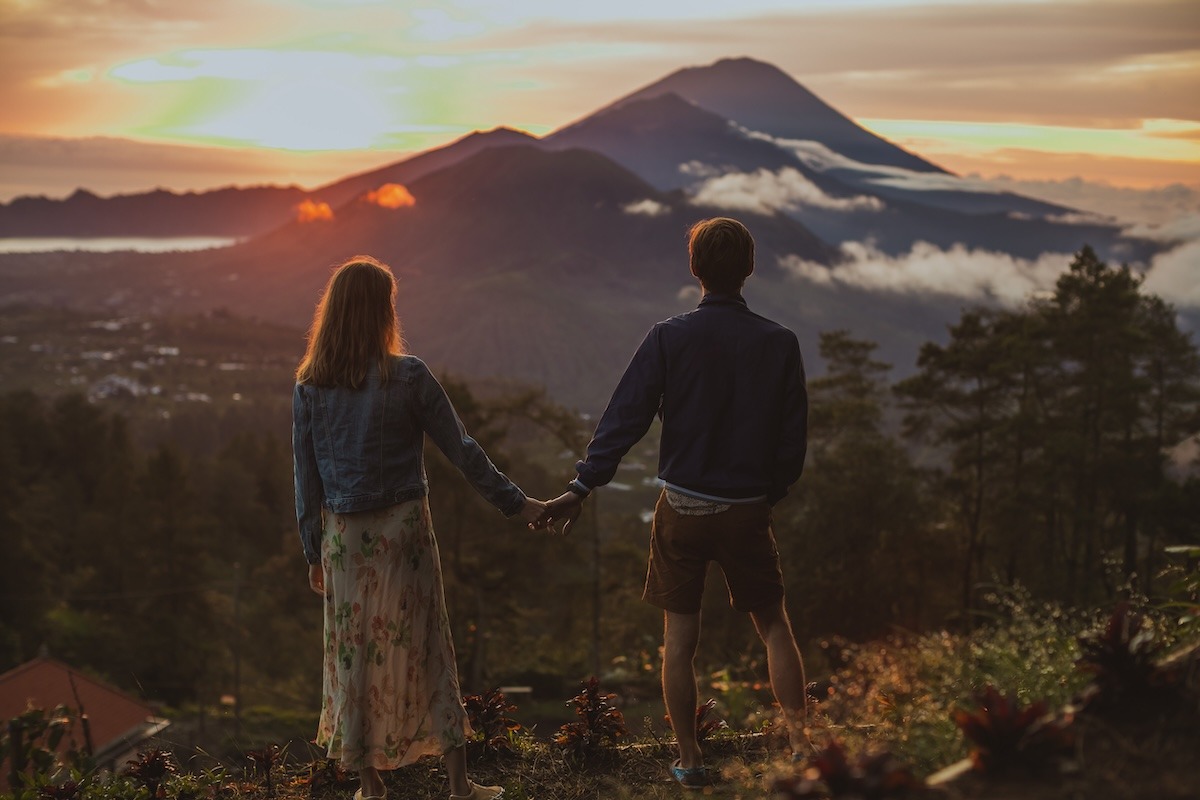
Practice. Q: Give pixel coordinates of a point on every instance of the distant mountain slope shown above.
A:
(675, 144)
(220, 212)
(232, 211)
(517, 263)
(762, 97)
(658, 136)
(410, 169)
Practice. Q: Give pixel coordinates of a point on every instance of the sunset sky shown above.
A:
(129, 94)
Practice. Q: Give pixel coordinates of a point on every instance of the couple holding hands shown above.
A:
(729, 387)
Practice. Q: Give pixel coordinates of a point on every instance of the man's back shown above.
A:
(729, 386)
(734, 409)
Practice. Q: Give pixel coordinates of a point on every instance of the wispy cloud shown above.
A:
(1175, 274)
(1154, 206)
(646, 207)
(978, 275)
(766, 192)
(970, 274)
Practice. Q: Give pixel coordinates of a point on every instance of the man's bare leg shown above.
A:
(786, 670)
(681, 635)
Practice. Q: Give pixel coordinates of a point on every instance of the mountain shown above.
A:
(231, 211)
(764, 98)
(545, 260)
(657, 137)
(678, 133)
(410, 169)
(518, 263)
(220, 212)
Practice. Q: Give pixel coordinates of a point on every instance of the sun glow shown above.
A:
(313, 211)
(285, 99)
(392, 195)
(1154, 140)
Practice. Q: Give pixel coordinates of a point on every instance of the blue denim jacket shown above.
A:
(360, 449)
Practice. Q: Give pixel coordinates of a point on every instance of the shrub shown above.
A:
(599, 722)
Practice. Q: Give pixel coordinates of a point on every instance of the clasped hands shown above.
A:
(541, 515)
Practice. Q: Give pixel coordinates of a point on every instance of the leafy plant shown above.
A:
(325, 773)
(266, 759)
(30, 741)
(705, 726)
(151, 769)
(1006, 735)
(1122, 658)
(599, 722)
(1183, 589)
(833, 774)
(68, 790)
(488, 715)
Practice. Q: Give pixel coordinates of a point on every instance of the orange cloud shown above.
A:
(392, 195)
(313, 211)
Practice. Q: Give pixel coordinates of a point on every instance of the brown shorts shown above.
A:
(739, 539)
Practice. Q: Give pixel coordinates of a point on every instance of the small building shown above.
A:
(118, 724)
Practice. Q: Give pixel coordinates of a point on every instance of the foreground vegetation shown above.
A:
(1074, 706)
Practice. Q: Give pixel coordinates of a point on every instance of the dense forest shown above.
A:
(1032, 447)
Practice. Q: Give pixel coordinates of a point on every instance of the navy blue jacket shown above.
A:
(729, 386)
(360, 449)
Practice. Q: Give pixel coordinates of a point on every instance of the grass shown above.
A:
(896, 695)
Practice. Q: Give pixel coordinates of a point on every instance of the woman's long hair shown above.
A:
(355, 325)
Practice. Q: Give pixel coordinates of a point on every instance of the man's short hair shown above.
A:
(721, 252)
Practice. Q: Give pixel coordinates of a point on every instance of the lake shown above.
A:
(110, 244)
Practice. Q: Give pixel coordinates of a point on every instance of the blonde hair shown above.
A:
(355, 324)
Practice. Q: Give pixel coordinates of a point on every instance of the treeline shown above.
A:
(1031, 447)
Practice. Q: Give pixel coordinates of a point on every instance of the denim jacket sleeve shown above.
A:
(309, 490)
(635, 401)
(442, 424)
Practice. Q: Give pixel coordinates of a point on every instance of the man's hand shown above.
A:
(316, 579)
(532, 511)
(565, 507)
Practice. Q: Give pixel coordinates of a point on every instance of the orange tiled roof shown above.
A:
(46, 683)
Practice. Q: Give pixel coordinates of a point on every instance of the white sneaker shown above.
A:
(480, 792)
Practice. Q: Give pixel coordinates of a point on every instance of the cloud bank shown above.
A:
(765, 192)
(975, 275)
(978, 275)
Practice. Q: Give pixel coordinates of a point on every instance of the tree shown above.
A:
(857, 542)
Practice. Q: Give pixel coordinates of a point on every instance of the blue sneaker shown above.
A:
(690, 777)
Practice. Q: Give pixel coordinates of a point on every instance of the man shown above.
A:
(729, 387)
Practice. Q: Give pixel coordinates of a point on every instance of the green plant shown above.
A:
(1005, 735)
(599, 722)
(1121, 658)
(833, 774)
(488, 715)
(1183, 589)
(30, 741)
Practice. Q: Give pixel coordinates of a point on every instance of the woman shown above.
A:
(360, 413)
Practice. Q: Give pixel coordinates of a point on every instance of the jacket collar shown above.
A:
(718, 298)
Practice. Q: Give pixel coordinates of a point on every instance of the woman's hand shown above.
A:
(531, 512)
(316, 578)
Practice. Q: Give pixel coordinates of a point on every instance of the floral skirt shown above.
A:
(390, 688)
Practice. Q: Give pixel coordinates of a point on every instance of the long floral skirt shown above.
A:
(390, 688)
